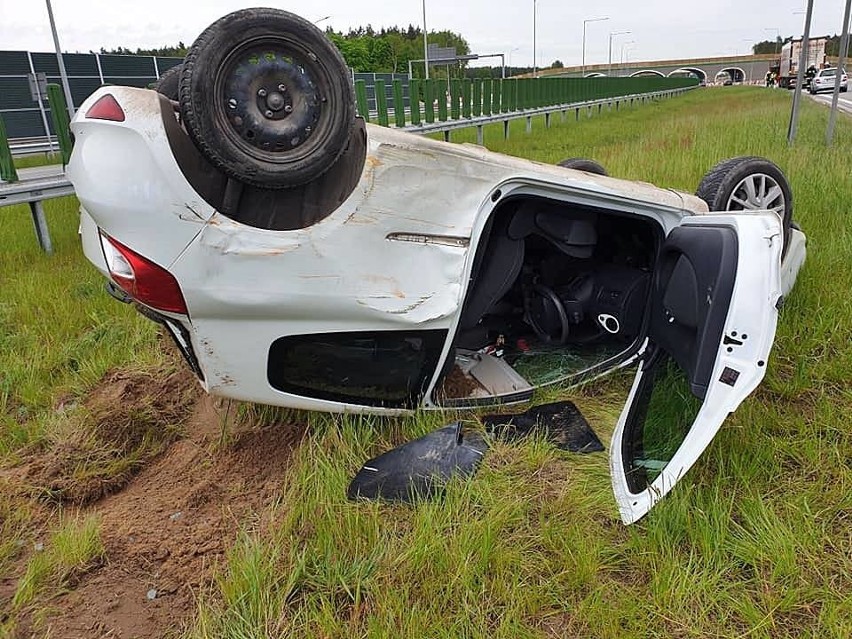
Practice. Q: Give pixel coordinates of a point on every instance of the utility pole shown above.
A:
(65, 86)
(844, 47)
(800, 76)
(425, 43)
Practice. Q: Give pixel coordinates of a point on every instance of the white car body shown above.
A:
(396, 255)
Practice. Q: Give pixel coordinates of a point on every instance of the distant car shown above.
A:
(825, 80)
(300, 257)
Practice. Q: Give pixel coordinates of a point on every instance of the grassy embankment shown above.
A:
(756, 541)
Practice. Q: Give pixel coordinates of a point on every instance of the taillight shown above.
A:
(106, 108)
(141, 279)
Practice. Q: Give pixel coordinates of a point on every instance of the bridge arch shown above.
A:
(736, 74)
(647, 72)
(596, 74)
(693, 72)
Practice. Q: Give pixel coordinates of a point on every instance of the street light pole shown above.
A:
(585, 22)
(535, 68)
(425, 43)
(800, 75)
(625, 46)
(65, 86)
(611, 35)
(844, 47)
(751, 62)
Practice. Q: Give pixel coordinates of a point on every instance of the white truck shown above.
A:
(789, 62)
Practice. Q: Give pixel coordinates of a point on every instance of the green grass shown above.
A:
(72, 550)
(754, 542)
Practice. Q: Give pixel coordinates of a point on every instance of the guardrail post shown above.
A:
(414, 100)
(61, 124)
(429, 100)
(361, 99)
(7, 163)
(40, 224)
(398, 103)
(381, 101)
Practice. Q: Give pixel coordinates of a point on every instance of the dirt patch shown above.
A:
(168, 530)
(456, 384)
(171, 493)
(126, 421)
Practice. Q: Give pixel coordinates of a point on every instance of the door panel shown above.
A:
(713, 318)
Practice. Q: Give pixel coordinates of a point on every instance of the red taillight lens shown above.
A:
(106, 108)
(141, 279)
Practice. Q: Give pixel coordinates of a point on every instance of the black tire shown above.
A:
(582, 164)
(267, 98)
(722, 189)
(168, 82)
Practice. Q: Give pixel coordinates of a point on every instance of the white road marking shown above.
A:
(844, 103)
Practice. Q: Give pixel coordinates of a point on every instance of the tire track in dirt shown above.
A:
(167, 531)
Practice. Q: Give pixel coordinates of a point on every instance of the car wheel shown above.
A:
(168, 82)
(582, 164)
(749, 183)
(267, 98)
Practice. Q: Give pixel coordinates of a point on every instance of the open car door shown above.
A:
(714, 308)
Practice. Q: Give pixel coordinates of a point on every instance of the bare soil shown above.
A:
(166, 525)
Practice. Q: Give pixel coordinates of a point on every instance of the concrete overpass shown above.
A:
(740, 68)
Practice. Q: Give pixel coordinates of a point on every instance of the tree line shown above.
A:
(366, 50)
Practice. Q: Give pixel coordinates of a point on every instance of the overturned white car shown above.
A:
(302, 258)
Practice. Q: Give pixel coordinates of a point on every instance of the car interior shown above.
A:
(558, 291)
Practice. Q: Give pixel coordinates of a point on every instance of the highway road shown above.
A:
(844, 104)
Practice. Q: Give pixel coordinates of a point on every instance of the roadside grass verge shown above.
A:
(754, 542)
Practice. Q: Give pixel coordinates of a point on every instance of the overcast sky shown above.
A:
(659, 29)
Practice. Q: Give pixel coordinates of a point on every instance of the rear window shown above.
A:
(828, 73)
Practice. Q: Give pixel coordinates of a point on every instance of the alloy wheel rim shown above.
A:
(758, 192)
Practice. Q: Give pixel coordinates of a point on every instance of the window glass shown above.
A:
(662, 415)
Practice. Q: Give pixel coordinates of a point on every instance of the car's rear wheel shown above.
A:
(749, 183)
(168, 82)
(267, 98)
(584, 164)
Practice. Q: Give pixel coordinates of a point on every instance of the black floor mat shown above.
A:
(561, 423)
(421, 468)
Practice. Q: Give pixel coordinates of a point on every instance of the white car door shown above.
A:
(714, 309)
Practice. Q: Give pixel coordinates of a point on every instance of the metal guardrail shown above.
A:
(33, 146)
(505, 118)
(34, 185)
